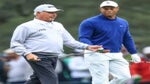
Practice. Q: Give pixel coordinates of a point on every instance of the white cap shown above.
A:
(46, 7)
(108, 3)
(7, 51)
(146, 50)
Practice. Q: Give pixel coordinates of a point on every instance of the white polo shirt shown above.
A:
(41, 36)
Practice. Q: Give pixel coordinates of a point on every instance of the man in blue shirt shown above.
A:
(111, 32)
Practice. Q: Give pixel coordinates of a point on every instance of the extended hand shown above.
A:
(135, 58)
(96, 48)
(32, 57)
(93, 48)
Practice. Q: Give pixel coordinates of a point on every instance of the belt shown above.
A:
(46, 54)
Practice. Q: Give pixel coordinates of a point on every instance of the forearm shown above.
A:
(76, 44)
(19, 48)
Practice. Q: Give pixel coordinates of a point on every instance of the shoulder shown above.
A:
(90, 20)
(25, 24)
(57, 23)
(58, 26)
(122, 20)
(93, 18)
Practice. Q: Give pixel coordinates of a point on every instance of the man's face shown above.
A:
(109, 11)
(46, 16)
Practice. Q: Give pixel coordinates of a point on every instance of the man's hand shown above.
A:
(95, 48)
(32, 57)
(135, 58)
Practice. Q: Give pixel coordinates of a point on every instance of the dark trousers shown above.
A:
(19, 82)
(44, 70)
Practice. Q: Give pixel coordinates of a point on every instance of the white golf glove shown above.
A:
(135, 58)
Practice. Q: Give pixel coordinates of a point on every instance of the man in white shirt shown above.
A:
(41, 41)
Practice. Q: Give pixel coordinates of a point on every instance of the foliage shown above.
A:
(15, 12)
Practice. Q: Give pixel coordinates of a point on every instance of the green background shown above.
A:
(15, 12)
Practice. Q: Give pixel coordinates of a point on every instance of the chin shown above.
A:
(52, 19)
(109, 15)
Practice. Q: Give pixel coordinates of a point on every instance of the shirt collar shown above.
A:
(107, 18)
(41, 21)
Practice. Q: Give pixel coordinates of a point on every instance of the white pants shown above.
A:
(101, 64)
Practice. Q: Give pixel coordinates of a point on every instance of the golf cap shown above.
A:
(47, 8)
(108, 3)
(146, 50)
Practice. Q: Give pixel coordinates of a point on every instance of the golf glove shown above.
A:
(135, 58)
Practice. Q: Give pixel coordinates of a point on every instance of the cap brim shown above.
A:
(55, 10)
(108, 5)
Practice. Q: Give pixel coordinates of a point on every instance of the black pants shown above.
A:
(19, 82)
(44, 70)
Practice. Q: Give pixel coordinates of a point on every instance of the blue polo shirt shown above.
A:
(110, 33)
